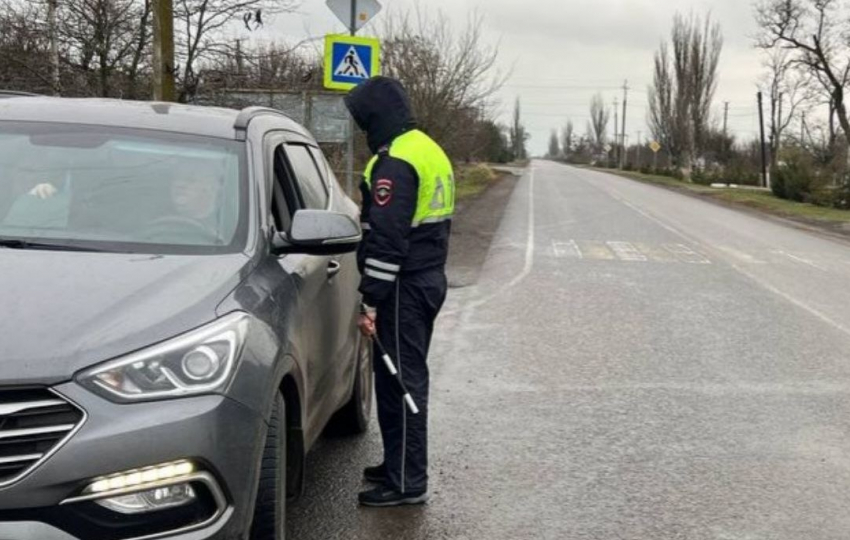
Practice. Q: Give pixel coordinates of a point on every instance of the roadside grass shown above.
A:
(472, 180)
(759, 200)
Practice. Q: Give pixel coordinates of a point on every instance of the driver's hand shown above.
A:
(366, 323)
(44, 191)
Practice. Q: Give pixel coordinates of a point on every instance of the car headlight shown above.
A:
(198, 362)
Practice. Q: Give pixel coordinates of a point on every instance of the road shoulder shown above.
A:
(476, 221)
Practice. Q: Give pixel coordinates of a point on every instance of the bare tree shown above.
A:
(684, 84)
(264, 66)
(24, 48)
(706, 46)
(517, 134)
(89, 47)
(788, 92)
(102, 37)
(450, 75)
(554, 145)
(199, 28)
(814, 32)
(665, 121)
(567, 135)
(597, 127)
(54, 46)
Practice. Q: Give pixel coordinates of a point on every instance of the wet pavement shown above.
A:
(631, 364)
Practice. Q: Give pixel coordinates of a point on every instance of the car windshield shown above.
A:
(120, 190)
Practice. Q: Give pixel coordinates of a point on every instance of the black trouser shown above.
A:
(405, 325)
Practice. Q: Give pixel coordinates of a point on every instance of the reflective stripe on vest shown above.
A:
(436, 199)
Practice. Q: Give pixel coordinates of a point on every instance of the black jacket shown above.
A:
(391, 247)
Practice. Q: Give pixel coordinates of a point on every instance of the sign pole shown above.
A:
(349, 183)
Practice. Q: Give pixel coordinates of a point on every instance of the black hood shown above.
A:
(381, 108)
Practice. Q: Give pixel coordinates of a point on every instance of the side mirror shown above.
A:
(319, 232)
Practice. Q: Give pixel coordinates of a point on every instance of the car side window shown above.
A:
(326, 170)
(312, 186)
(285, 198)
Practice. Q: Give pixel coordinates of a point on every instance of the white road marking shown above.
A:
(528, 265)
(740, 255)
(815, 387)
(686, 254)
(529, 244)
(800, 259)
(626, 252)
(656, 253)
(595, 250)
(567, 249)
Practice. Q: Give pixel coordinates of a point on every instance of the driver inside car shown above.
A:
(195, 192)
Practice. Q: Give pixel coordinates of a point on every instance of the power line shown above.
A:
(568, 87)
(625, 111)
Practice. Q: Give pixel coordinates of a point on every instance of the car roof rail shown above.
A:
(247, 114)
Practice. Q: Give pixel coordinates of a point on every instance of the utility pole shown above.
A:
(765, 177)
(639, 164)
(349, 174)
(623, 157)
(776, 128)
(239, 61)
(725, 129)
(52, 6)
(163, 51)
(616, 128)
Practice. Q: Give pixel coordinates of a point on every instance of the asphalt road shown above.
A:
(632, 364)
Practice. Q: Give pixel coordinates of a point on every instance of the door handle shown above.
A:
(333, 268)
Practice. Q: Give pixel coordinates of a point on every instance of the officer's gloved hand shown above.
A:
(44, 191)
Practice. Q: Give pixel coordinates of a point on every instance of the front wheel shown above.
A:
(270, 509)
(353, 418)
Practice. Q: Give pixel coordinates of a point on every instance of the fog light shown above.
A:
(151, 501)
(138, 478)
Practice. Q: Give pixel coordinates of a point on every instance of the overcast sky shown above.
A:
(561, 52)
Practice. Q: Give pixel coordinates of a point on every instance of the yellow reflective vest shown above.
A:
(436, 199)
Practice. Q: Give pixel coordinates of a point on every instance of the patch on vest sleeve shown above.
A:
(383, 192)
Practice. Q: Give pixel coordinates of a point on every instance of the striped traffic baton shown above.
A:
(394, 372)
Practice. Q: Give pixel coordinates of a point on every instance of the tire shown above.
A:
(353, 418)
(270, 509)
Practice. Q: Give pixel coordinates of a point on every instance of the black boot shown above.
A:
(383, 496)
(375, 475)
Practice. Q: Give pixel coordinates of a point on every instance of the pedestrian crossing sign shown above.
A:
(350, 61)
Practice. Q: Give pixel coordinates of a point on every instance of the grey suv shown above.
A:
(179, 302)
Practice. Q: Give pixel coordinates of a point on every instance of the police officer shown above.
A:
(408, 203)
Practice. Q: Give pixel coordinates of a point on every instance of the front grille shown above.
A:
(33, 422)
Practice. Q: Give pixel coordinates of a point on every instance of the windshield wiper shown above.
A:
(19, 243)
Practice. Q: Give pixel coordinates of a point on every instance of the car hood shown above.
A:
(65, 311)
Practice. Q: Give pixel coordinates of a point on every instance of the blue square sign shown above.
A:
(349, 61)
